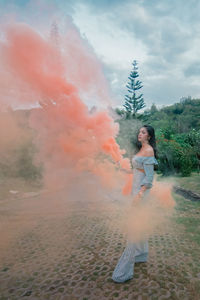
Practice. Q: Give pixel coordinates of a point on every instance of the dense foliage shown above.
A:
(17, 149)
(177, 129)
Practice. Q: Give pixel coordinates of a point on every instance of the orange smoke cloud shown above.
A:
(162, 193)
(71, 141)
(35, 62)
(143, 219)
(128, 185)
(68, 135)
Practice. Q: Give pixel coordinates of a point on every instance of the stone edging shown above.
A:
(186, 193)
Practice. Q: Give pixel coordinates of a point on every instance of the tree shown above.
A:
(120, 112)
(153, 108)
(133, 103)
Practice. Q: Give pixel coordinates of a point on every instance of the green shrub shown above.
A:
(175, 155)
(25, 166)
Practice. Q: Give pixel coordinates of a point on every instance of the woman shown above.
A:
(143, 164)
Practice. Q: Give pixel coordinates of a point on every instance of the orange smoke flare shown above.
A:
(128, 185)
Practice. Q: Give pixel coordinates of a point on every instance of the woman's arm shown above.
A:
(148, 179)
(149, 172)
(145, 184)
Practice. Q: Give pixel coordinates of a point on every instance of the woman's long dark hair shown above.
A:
(152, 140)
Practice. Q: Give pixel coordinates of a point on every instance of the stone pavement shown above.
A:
(72, 257)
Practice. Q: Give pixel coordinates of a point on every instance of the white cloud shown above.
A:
(113, 45)
(164, 36)
(160, 43)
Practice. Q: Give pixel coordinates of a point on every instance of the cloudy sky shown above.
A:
(163, 36)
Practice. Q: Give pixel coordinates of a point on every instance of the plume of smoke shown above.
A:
(141, 220)
(68, 136)
(77, 148)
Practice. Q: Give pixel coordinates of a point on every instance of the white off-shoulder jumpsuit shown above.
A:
(136, 252)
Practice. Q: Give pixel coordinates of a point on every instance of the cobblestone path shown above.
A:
(73, 257)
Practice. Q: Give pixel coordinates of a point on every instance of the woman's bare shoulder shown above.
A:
(149, 151)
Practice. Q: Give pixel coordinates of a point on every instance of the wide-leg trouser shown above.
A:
(134, 252)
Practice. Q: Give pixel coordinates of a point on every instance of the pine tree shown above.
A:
(133, 103)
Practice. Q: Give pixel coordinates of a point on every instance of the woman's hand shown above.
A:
(137, 198)
(122, 169)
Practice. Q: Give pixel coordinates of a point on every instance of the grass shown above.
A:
(190, 183)
(188, 211)
(189, 216)
(192, 227)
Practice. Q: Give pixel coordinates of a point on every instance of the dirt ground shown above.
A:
(68, 250)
